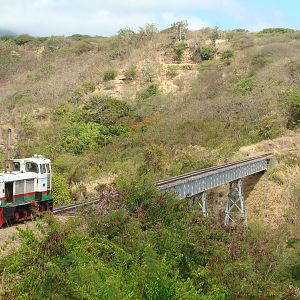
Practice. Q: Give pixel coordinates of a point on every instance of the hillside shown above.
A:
(5, 32)
(117, 113)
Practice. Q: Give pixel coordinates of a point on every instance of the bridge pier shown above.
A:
(235, 207)
(200, 199)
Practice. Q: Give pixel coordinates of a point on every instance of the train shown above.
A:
(25, 189)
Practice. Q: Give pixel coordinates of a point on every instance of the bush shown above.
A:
(54, 43)
(105, 110)
(126, 34)
(23, 39)
(207, 52)
(110, 74)
(245, 85)
(147, 245)
(79, 37)
(61, 191)
(178, 51)
(294, 69)
(60, 112)
(294, 111)
(130, 72)
(260, 60)
(155, 160)
(150, 91)
(28, 127)
(82, 47)
(79, 136)
(18, 99)
(147, 32)
(179, 30)
(42, 73)
(81, 91)
(171, 71)
(276, 31)
(227, 54)
(147, 73)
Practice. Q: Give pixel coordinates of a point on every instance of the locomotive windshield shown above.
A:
(43, 169)
(15, 166)
(31, 167)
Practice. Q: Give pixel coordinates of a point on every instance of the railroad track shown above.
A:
(160, 183)
(73, 206)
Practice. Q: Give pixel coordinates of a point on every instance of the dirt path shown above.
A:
(9, 239)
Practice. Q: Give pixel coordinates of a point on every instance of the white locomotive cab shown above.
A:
(38, 165)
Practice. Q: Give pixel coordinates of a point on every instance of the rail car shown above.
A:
(25, 186)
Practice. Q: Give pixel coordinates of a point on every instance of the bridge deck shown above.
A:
(193, 183)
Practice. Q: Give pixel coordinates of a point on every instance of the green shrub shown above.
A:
(171, 71)
(44, 72)
(79, 37)
(60, 112)
(208, 65)
(18, 99)
(130, 72)
(245, 85)
(151, 90)
(82, 90)
(179, 30)
(260, 60)
(147, 245)
(88, 87)
(82, 47)
(276, 31)
(105, 110)
(156, 160)
(28, 126)
(269, 126)
(227, 54)
(294, 69)
(23, 39)
(147, 73)
(207, 52)
(178, 51)
(54, 43)
(79, 136)
(126, 34)
(110, 74)
(215, 34)
(147, 32)
(294, 111)
(60, 189)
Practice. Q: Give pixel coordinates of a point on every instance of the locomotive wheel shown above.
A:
(26, 215)
(42, 208)
(17, 216)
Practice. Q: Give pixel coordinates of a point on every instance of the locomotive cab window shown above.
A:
(15, 166)
(43, 169)
(31, 167)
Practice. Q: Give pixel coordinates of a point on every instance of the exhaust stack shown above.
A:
(8, 152)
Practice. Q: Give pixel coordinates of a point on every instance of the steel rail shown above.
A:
(74, 205)
(211, 169)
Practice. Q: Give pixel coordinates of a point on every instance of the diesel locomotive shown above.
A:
(25, 188)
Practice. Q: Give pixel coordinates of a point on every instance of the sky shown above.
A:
(98, 17)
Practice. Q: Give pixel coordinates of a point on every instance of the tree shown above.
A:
(148, 31)
(180, 29)
(215, 34)
(126, 34)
